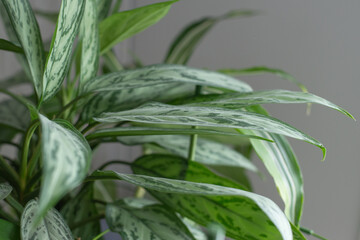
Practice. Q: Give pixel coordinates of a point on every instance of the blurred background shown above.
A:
(317, 41)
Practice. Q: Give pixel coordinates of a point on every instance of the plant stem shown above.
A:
(34, 159)
(14, 176)
(140, 192)
(87, 220)
(89, 127)
(194, 137)
(8, 217)
(15, 204)
(23, 166)
(312, 233)
(75, 100)
(114, 162)
(101, 234)
(112, 61)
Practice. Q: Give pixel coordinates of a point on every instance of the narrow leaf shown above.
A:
(9, 46)
(60, 52)
(188, 39)
(66, 159)
(123, 25)
(207, 117)
(262, 211)
(142, 219)
(51, 227)
(207, 152)
(89, 35)
(5, 190)
(163, 74)
(9, 231)
(28, 33)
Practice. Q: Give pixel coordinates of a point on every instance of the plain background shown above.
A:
(317, 41)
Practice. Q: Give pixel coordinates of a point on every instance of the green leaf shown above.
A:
(103, 8)
(207, 152)
(50, 16)
(5, 190)
(66, 159)
(14, 80)
(9, 46)
(9, 231)
(123, 25)
(189, 38)
(262, 216)
(263, 70)
(142, 219)
(163, 74)
(297, 235)
(239, 100)
(206, 117)
(51, 227)
(110, 134)
(59, 57)
(28, 33)
(89, 35)
(80, 208)
(14, 114)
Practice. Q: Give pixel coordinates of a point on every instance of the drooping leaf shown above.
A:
(163, 74)
(182, 48)
(66, 159)
(14, 114)
(5, 190)
(79, 208)
(51, 227)
(9, 46)
(239, 100)
(59, 57)
(89, 35)
(9, 231)
(14, 80)
(207, 152)
(265, 217)
(123, 25)
(28, 34)
(206, 117)
(264, 70)
(110, 134)
(143, 219)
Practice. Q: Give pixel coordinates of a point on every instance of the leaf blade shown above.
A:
(5, 190)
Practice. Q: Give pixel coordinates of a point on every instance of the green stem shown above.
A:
(23, 166)
(194, 137)
(112, 62)
(114, 162)
(8, 217)
(74, 101)
(312, 233)
(15, 204)
(34, 159)
(14, 176)
(101, 234)
(140, 192)
(89, 127)
(87, 220)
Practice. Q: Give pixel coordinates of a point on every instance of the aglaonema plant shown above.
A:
(192, 124)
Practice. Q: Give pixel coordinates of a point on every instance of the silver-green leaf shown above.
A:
(5, 190)
(137, 219)
(58, 60)
(51, 227)
(66, 159)
(28, 34)
(163, 74)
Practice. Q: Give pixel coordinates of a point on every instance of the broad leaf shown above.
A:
(206, 117)
(143, 219)
(239, 100)
(163, 74)
(28, 34)
(14, 114)
(51, 227)
(110, 134)
(90, 42)
(9, 46)
(66, 159)
(207, 152)
(79, 208)
(123, 25)
(9, 231)
(58, 60)
(187, 40)
(264, 70)
(264, 216)
(5, 190)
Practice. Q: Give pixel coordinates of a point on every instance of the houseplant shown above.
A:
(185, 118)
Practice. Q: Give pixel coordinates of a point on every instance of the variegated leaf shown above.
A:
(51, 227)
(5, 190)
(237, 101)
(163, 74)
(123, 25)
(137, 219)
(58, 60)
(207, 117)
(89, 35)
(66, 159)
(9, 231)
(14, 114)
(188, 39)
(207, 152)
(28, 34)
(79, 208)
(265, 217)
(9, 46)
